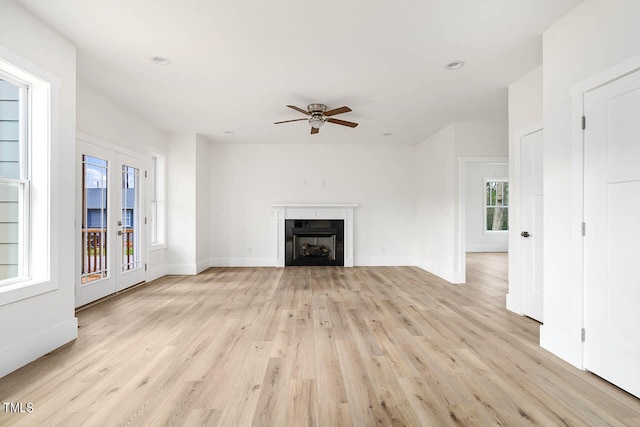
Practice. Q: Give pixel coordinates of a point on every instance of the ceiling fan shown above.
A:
(319, 115)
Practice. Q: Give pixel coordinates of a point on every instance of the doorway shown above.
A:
(112, 249)
(464, 167)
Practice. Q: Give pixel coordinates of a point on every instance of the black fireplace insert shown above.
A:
(314, 242)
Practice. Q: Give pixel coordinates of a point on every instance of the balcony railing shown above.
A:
(94, 253)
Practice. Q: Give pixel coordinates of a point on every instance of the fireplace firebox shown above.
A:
(312, 242)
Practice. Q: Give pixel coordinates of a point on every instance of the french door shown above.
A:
(112, 250)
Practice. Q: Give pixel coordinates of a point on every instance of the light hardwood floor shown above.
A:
(320, 346)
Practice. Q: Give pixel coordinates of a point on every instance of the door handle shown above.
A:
(525, 234)
(120, 232)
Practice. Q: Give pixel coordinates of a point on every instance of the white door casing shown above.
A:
(612, 238)
(531, 231)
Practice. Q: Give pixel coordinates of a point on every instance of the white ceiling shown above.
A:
(237, 63)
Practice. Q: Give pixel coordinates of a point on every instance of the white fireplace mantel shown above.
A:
(344, 211)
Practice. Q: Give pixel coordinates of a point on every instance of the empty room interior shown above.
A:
(346, 213)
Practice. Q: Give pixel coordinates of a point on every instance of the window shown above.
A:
(158, 206)
(26, 140)
(14, 180)
(496, 205)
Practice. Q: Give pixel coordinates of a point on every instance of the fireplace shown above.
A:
(314, 242)
(305, 213)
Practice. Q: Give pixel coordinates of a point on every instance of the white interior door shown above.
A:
(531, 233)
(612, 218)
(112, 222)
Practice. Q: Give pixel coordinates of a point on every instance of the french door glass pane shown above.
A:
(94, 219)
(130, 218)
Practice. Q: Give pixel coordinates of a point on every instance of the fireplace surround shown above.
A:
(341, 213)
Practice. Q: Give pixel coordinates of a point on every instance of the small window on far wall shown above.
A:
(496, 205)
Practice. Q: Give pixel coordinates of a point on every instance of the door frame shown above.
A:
(576, 350)
(515, 294)
(460, 253)
(84, 138)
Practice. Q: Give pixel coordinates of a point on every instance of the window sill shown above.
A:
(14, 292)
(158, 247)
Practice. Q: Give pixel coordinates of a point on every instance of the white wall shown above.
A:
(481, 139)
(436, 192)
(181, 204)
(525, 115)
(525, 101)
(108, 121)
(477, 239)
(593, 37)
(104, 118)
(246, 179)
(36, 325)
(439, 237)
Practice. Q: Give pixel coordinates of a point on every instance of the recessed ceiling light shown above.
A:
(160, 60)
(454, 65)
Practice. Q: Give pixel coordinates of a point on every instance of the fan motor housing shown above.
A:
(316, 108)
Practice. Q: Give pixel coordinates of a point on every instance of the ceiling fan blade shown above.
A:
(342, 122)
(299, 109)
(335, 111)
(314, 130)
(287, 121)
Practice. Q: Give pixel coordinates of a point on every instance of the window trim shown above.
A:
(42, 123)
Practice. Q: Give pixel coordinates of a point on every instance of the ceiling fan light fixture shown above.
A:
(316, 121)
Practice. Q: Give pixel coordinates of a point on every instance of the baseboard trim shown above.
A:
(202, 265)
(487, 248)
(36, 346)
(449, 276)
(383, 262)
(514, 303)
(566, 347)
(181, 269)
(241, 262)
(156, 273)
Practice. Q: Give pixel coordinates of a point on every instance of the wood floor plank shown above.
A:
(316, 346)
(329, 377)
(243, 396)
(273, 403)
